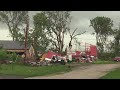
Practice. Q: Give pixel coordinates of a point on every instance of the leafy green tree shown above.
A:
(58, 27)
(115, 45)
(39, 36)
(103, 28)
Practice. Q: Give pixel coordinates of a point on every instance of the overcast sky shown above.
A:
(81, 20)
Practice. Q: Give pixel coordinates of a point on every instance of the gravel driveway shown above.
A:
(93, 71)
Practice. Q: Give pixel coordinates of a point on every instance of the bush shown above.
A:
(106, 56)
(14, 57)
(3, 54)
(5, 57)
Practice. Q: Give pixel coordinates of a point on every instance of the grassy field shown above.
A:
(28, 71)
(115, 74)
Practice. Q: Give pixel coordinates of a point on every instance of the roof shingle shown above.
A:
(12, 44)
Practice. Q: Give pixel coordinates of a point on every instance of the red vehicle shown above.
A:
(116, 59)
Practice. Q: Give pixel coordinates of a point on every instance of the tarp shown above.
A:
(50, 54)
(93, 50)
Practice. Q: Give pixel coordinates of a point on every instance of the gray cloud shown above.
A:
(81, 19)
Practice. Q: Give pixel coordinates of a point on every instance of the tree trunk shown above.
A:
(13, 38)
(35, 48)
(36, 54)
(70, 43)
(117, 47)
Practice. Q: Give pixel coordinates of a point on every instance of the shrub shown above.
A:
(3, 54)
(14, 57)
(106, 56)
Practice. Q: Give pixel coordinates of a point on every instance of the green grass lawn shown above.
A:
(100, 62)
(104, 62)
(29, 71)
(115, 74)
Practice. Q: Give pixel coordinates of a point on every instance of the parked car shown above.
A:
(116, 59)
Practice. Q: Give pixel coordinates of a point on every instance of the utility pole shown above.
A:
(26, 36)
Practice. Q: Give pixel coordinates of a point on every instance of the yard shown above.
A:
(29, 71)
(24, 71)
(92, 71)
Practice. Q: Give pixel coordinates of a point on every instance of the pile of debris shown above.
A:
(40, 63)
(51, 58)
(47, 59)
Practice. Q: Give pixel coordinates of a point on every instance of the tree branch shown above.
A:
(78, 34)
(74, 31)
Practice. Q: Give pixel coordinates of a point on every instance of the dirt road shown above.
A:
(93, 71)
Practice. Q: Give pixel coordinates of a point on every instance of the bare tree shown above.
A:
(73, 35)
